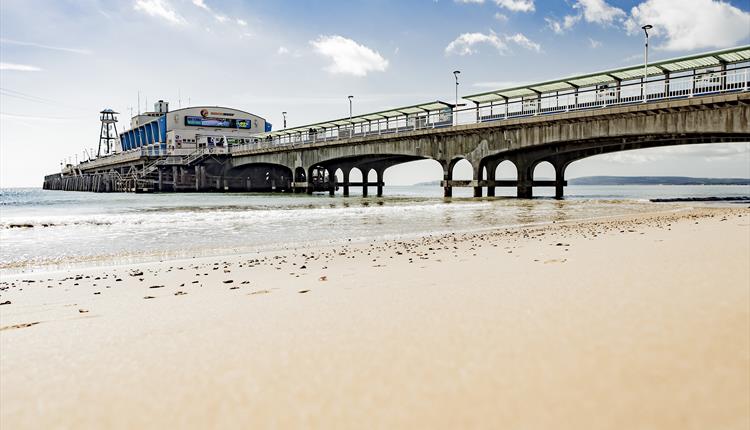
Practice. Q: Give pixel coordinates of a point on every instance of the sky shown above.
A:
(62, 61)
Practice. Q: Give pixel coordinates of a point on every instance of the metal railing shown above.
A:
(678, 86)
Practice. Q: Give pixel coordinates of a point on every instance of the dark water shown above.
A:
(56, 229)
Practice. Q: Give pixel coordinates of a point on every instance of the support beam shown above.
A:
(380, 181)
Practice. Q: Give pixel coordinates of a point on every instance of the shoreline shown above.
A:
(108, 261)
(562, 325)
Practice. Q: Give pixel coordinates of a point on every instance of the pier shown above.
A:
(688, 100)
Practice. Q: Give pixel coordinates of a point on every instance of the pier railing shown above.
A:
(602, 96)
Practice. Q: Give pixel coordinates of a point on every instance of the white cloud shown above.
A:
(201, 4)
(467, 43)
(707, 152)
(282, 50)
(599, 11)
(470, 1)
(595, 11)
(38, 45)
(221, 18)
(241, 22)
(517, 5)
(501, 17)
(348, 56)
(691, 24)
(19, 67)
(159, 8)
(594, 43)
(566, 24)
(524, 42)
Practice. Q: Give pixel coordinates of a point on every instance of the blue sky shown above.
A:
(62, 61)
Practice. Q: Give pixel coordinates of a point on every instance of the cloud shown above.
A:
(221, 18)
(691, 24)
(467, 43)
(524, 42)
(241, 22)
(18, 67)
(349, 57)
(159, 8)
(469, 1)
(566, 24)
(708, 152)
(501, 17)
(39, 45)
(594, 11)
(599, 11)
(201, 4)
(594, 43)
(517, 5)
(282, 50)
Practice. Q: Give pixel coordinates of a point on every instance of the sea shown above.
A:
(42, 230)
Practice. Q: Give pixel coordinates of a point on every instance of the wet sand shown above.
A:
(634, 322)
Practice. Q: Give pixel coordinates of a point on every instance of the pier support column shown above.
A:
(559, 179)
(197, 177)
(365, 176)
(174, 178)
(491, 167)
(160, 180)
(447, 176)
(379, 173)
(346, 171)
(331, 182)
(524, 188)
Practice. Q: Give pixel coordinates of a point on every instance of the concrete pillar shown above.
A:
(197, 178)
(174, 178)
(365, 176)
(331, 182)
(524, 188)
(559, 180)
(380, 181)
(160, 179)
(346, 171)
(478, 178)
(447, 176)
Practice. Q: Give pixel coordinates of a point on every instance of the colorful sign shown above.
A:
(199, 121)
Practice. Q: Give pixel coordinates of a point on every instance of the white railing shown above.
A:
(678, 86)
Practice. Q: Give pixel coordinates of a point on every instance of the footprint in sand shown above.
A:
(23, 325)
(556, 261)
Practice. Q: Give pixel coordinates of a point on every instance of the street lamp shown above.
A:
(455, 108)
(350, 107)
(645, 28)
(284, 113)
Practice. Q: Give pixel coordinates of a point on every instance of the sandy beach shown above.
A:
(640, 321)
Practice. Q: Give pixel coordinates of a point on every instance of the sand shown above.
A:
(635, 322)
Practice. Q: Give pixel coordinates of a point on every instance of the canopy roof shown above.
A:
(374, 116)
(698, 61)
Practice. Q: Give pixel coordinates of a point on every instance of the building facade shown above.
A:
(183, 131)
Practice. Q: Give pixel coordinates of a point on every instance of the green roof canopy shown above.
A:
(374, 116)
(698, 61)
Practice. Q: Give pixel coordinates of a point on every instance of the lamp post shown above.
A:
(284, 113)
(645, 28)
(350, 107)
(455, 108)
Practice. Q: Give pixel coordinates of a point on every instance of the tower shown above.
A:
(108, 132)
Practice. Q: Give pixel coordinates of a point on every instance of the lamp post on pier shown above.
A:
(284, 114)
(350, 107)
(645, 28)
(455, 108)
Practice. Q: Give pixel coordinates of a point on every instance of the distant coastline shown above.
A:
(643, 180)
